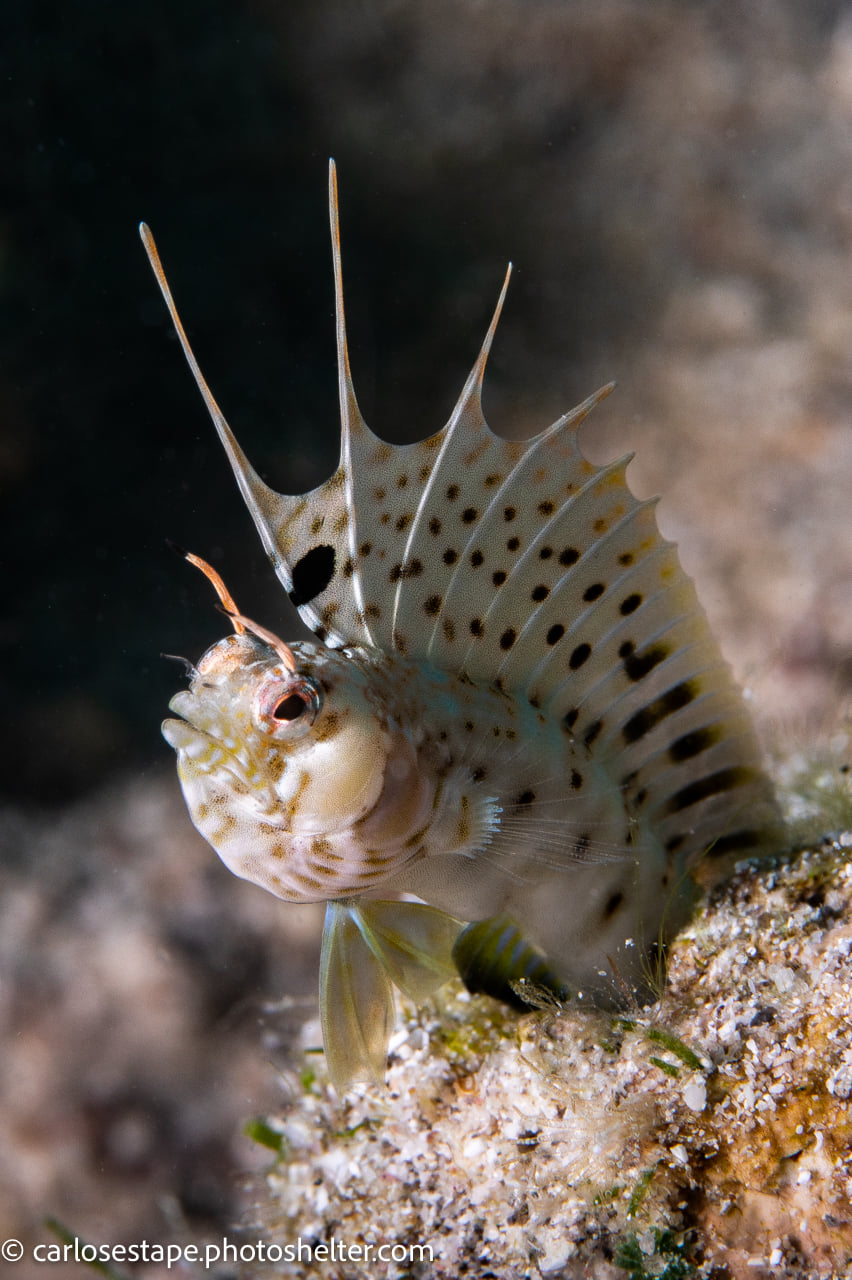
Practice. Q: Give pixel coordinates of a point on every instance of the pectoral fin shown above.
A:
(367, 949)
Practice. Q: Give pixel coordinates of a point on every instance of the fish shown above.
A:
(512, 751)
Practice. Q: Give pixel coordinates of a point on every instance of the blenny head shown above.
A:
(292, 763)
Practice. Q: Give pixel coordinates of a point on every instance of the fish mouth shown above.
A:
(201, 755)
(207, 745)
(195, 741)
(183, 735)
(192, 724)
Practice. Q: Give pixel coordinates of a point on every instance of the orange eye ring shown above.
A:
(286, 705)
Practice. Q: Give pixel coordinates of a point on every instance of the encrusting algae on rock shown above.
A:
(514, 713)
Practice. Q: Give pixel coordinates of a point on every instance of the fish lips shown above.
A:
(193, 732)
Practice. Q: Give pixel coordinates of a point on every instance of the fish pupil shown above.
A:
(289, 708)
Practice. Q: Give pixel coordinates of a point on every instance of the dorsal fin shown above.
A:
(304, 535)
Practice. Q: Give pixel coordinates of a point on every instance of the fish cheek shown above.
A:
(331, 784)
(401, 816)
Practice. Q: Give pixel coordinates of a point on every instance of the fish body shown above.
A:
(514, 713)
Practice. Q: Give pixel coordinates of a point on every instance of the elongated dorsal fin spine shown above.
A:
(350, 414)
(258, 496)
(468, 409)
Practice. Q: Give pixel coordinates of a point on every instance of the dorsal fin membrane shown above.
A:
(304, 535)
(372, 556)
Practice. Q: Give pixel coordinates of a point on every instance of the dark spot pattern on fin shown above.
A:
(694, 743)
(649, 717)
(711, 785)
(612, 904)
(579, 656)
(639, 665)
(737, 842)
(312, 574)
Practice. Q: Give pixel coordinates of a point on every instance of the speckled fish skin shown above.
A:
(515, 711)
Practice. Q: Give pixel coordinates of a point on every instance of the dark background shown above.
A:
(674, 184)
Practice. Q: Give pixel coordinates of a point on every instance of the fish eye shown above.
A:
(286, 705)
(290, 708)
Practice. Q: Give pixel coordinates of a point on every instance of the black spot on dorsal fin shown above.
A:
(312, 574)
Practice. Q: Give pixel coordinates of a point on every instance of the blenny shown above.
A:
(514, 747)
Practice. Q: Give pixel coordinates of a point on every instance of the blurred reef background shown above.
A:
(673, 182)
